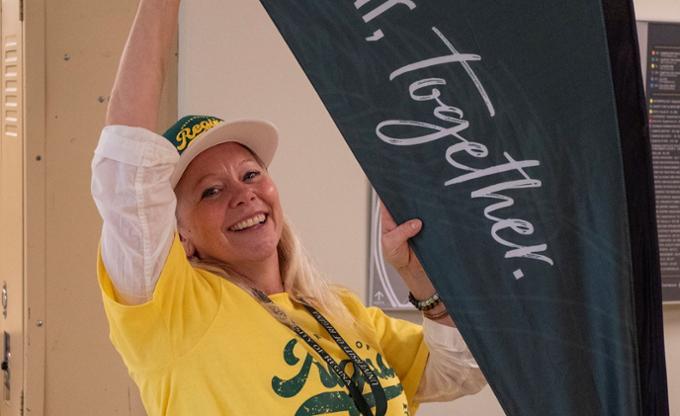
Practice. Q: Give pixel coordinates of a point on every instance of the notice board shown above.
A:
(660, 45)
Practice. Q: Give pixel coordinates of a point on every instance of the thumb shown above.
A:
(401, 233)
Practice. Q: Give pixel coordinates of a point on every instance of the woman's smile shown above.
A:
(249, 224)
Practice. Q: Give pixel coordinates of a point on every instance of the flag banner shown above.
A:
(501, 126)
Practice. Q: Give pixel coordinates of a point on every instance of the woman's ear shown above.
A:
(188, 246)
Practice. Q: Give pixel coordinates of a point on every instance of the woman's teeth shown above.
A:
(258, 219)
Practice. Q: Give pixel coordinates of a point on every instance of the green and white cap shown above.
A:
(193, 134)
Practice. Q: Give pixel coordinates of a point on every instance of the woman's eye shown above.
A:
(209, 192)
(251, 175)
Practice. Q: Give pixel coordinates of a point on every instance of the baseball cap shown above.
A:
(193, 134)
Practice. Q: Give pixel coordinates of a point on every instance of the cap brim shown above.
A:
(261, 137)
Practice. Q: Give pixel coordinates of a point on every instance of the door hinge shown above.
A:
(21, 10)
(21, 409)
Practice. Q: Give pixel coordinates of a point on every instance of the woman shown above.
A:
(211, 302)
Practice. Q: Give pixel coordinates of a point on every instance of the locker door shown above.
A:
(11, 210)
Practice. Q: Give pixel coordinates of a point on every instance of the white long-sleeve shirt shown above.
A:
(131, 188)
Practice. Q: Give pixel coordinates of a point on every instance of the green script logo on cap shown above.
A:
(188, 128)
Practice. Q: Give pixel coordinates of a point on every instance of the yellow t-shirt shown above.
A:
(203, 346)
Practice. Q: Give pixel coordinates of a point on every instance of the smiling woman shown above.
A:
(212, 303)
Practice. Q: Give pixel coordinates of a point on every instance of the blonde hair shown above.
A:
(301, 280)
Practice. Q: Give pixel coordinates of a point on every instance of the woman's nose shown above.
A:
(241, 194)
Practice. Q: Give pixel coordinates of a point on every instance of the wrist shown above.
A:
(437, 313)
(440, 315)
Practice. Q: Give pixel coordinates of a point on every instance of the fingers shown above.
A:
(388, 225)
(398, 236)
(394, 243)
(406, 230)
(395, 237)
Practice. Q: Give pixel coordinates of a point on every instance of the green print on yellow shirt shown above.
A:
(332, 401)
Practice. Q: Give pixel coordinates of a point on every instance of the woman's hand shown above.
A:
(395, 245)
(398, 253)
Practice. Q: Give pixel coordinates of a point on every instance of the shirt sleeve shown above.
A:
(404, 348)
(451, 370)
(131, 172)
(182, 308)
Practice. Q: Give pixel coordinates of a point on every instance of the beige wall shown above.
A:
(657, 10)
(234, 64)
(324, 192)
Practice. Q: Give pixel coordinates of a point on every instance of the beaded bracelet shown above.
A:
(424, 305)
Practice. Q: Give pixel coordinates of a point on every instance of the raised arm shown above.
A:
(136, 94)
(132, 164)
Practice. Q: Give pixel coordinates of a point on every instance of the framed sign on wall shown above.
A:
(660, 53)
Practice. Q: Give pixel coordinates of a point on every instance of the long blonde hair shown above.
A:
(301, 280)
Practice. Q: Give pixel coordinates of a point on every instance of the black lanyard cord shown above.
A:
(369, 375)
(359, 364)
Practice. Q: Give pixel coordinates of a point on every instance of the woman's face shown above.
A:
(228, 208)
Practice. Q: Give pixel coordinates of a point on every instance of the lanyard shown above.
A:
(359, 364)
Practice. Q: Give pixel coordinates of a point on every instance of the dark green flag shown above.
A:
(501, 126)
